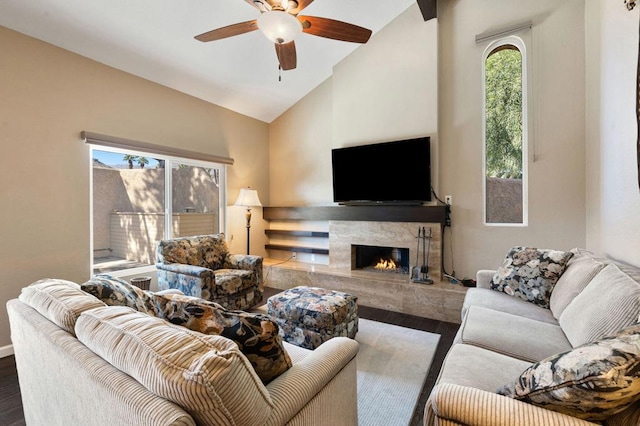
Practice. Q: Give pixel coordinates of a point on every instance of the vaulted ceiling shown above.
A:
(154, 39)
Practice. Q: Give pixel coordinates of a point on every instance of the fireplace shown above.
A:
(344, 235)
(380, 259)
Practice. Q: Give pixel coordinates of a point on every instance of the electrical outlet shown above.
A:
(448, 199)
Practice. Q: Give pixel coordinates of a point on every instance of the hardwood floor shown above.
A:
(10, 402)
(11, 405)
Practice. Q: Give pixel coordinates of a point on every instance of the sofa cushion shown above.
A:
(530, 273)
(60, 301)
(610, 302)
(207, 251)
(468, 365)
(512, 335)
(502, 302)
(591, 382)
(206, 375)
(581, 269)
(116, 292)
(256, 334)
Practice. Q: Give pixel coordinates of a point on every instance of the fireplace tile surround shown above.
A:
(390, 291)
(344, 234)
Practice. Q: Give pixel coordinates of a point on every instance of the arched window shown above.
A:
(505, 133)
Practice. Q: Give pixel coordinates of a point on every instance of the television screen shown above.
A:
(391, 172)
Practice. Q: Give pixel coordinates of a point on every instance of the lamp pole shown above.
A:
(248, 216)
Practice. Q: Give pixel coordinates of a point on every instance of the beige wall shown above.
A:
(300, 143)
(48, 96)
(613, 197)
(557, 97)
(388, 88)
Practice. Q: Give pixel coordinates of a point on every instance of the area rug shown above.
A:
(393, 363)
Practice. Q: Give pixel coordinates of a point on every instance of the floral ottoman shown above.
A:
(309, 316)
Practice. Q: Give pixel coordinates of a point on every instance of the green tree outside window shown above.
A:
(503, 103)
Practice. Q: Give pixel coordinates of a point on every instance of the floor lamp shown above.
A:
(248, 198)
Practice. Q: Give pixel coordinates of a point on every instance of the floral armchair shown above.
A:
(202, 266)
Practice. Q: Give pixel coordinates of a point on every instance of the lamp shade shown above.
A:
(248, 198)
(278, 26)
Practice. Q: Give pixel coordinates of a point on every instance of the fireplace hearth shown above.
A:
(380, 259)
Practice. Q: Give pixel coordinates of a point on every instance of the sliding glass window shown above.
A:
(140, 198)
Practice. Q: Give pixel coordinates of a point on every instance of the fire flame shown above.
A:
(386, 264)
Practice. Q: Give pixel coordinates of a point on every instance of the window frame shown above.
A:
(170, 160)
(493, 47)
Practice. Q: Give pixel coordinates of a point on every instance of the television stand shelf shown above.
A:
(382, 213)
(296, 248)
(296, 233)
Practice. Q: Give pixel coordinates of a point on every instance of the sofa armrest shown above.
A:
(248, 263)
(483, 278)
(181, 268)
(296, 387)
(189, 279)
(474, 407)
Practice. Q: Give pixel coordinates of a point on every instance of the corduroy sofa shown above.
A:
(82, 362)
(514, 362)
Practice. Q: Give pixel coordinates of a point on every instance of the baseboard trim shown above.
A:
(6, 351)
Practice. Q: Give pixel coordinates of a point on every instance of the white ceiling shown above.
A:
(153, 39)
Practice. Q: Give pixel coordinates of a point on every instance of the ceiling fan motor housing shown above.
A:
(279, 26)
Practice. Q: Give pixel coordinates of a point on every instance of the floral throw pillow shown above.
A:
(592, 382)
(116, 292)
(530, 273)
(256, 335)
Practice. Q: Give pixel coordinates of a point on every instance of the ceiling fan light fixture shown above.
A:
(278, 26)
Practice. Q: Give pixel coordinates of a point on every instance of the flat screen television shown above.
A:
(397, 172)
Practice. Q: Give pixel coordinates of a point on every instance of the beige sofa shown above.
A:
(81, 362)
(501, 336)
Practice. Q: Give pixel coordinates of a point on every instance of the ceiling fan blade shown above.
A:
(287, 55)
(336, 30)
(228, 31)
(301, 5)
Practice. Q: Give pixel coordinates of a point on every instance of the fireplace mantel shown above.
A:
(381, 213)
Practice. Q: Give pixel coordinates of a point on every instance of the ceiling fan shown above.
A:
(280, 23)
